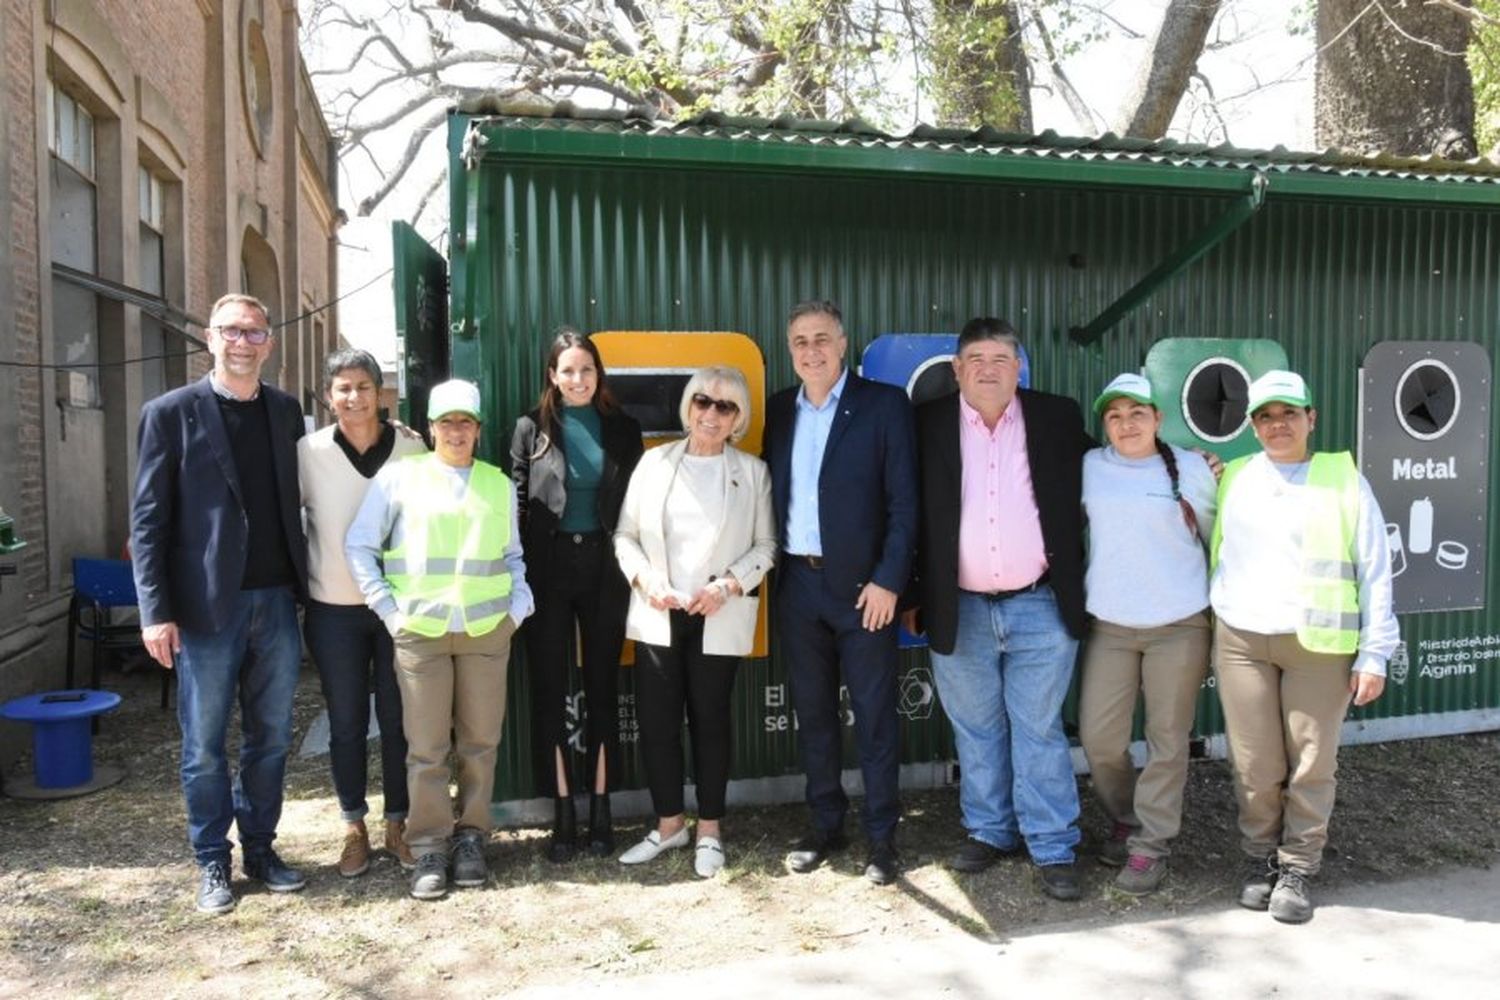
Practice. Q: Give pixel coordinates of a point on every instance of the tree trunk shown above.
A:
(1163, 78)
(1401, 87)
(980, 74)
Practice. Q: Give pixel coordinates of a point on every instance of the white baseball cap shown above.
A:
(1128, 384)
(453, 396)
(1277, 386)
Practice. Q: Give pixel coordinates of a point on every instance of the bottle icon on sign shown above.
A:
(1398, 549)
(1419, 527)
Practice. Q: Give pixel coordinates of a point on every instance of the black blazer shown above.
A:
(187, 520)
(539, 468)
(867, 487)
(1055, 446)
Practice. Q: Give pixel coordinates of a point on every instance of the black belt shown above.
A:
(811, 562)
(1002, 595)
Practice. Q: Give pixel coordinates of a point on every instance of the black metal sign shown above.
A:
(1424, 447)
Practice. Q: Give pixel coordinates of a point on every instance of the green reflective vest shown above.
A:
(1329, 586)
(451, 556)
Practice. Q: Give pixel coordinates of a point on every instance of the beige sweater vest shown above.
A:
(332, 490)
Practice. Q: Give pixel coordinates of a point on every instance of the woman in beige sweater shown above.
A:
(348, 643)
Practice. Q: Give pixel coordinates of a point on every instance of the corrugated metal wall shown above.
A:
(632, 248)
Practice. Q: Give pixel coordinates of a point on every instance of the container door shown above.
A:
(421, 285)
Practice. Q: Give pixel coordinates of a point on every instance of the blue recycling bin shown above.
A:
(921, 365)
(62, 738)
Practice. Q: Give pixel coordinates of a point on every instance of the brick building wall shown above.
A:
(164, 82)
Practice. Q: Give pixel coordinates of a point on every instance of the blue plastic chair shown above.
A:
(100, 585)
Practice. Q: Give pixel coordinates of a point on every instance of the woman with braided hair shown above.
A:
(1150, 509)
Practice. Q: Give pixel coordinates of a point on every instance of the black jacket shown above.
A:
(187, 520)
(1055, 446)
(539, 469)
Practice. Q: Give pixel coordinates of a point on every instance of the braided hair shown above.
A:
(1169, 458)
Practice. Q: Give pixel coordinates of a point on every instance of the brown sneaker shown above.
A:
(395, 844)
(1141, 875)
(355, 860)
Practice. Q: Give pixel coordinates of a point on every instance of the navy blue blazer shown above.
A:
(867, 488)
(187, 521)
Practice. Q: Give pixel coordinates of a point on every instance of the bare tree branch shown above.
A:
(413, 146)
(1082, 113)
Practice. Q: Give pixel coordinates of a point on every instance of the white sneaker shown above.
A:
(648, 849)
(708, 858)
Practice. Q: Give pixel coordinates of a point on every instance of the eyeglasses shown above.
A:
(251, 334)
(723, 407)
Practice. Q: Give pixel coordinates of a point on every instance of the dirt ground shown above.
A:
(96, 893)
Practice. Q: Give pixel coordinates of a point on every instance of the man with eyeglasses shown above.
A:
(842, 452)
(220, 563)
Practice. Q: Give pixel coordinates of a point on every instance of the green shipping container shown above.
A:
(1203, 266)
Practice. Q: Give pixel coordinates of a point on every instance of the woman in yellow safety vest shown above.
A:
(1301, 586)
(436, 551)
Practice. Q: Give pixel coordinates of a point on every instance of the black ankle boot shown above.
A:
(563, 845)
(601, 826)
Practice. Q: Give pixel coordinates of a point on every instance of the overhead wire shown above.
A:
(197, 345)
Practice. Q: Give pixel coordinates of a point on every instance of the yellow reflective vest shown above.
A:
(452, 552)
(1329, 585)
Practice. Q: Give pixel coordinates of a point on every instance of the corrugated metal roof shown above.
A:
(1109, 147)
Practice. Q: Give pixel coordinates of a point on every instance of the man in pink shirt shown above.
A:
(998, 588)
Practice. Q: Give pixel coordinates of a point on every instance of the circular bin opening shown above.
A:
(933, 378)
(1215, 397)
(1427, 399)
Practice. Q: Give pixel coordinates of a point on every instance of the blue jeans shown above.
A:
(354, 655)
(256, 656)
(1003, 688)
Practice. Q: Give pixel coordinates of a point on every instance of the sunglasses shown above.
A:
(723, 407)
(251, 334)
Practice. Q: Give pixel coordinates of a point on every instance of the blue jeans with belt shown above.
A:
(1003, 688)
(355, 656)
(254, 659)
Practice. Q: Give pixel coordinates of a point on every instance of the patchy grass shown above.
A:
(98, 891)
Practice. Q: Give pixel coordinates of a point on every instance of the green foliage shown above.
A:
(809, 57)
(1484, 66)
(966, 49)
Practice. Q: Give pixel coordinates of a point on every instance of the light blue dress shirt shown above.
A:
(809, 439)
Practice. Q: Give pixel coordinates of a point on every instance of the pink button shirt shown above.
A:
(999, 530)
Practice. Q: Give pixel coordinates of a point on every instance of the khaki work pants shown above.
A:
(452, 698)
(1284, 712)
(1165, 666)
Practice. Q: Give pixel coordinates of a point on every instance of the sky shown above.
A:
(1260, 73)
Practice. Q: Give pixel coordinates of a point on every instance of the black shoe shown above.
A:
(975, 856)
(266, 866)
(884, 866)
(1060, 881)
(469, 867)
(601, 826)
(1291, 902)
(214, 894)
(429, 879)
(813, 849)
(1258, 881)
(563, 845)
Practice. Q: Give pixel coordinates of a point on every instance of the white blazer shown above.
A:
(745, 546)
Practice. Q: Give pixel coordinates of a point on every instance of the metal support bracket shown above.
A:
(1205, 240)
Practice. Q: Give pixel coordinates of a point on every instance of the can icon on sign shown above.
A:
(1419, 528)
